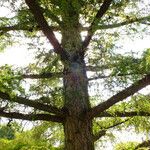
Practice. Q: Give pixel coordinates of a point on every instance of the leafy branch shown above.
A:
(94, 112)
(103, 131)
(99, 15)
(31, 103)
(125, 114)
(48, 32)
(31, 117)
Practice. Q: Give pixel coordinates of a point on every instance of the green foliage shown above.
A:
(35, 139)
(146, 61)
(132, 146)
(126, 146)
(8, 80)
(138, 103)
(7, 132)
(44, 133)
(6, 40)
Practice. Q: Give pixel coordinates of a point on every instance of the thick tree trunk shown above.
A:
(78, 134)
(78, 129)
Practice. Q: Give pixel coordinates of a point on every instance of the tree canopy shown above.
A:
(80, 77)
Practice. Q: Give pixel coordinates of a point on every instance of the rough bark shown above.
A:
(78, 134)
(77, 128)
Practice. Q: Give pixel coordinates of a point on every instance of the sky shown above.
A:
(19, 56)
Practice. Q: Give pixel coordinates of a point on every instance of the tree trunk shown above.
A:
(77, 129)
(78, 134)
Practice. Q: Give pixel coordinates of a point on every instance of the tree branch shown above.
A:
(99, 68)
(42, 75)
(99, 135)
(52, 16)
(103, 131)
(124, 114)
(116, 124)
(143, 145)
(94, 112)
(48, 32)
(32, 117)
(31, 103)
(118, 75)
(18, 27)
(127, 22)
(99, 15)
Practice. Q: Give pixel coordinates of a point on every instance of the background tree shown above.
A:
(84, 43)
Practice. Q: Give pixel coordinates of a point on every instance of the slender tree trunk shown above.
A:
(78, 129)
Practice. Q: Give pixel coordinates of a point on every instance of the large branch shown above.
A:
(31, 103)
(98, 16)
(48, 32)
(32, 117)
(94, 112)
